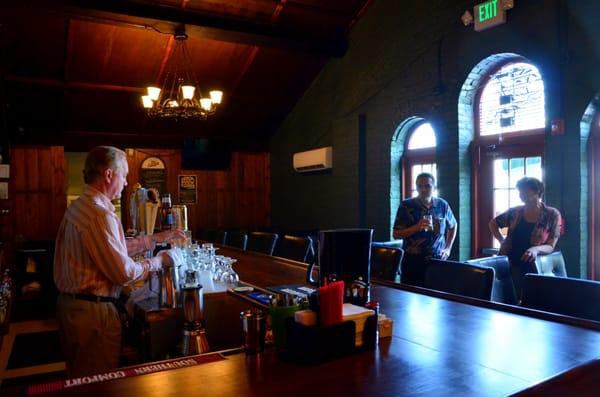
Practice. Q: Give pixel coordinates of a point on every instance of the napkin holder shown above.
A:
(310, 344)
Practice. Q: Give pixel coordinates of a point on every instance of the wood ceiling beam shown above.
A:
(71, 84)
(250, 60)
(78, 140)
(97, 86)
(165, 18)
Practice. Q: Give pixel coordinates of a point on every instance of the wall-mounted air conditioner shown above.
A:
(313, 160)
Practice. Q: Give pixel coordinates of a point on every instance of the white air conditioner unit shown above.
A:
(313, 160)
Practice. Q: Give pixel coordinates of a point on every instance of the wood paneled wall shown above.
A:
(237, 198)
(37, 190)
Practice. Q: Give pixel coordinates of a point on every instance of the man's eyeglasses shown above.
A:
(423, 186)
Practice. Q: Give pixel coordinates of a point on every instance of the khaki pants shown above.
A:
(90, 335)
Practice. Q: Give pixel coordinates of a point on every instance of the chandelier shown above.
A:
(180, 96)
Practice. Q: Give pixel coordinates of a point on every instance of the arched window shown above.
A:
(512, 101)
(591, 122)
(509, 142)
(419, 156)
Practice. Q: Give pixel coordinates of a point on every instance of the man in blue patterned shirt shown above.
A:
(428, 227)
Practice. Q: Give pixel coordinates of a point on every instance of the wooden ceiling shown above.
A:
(73, 71)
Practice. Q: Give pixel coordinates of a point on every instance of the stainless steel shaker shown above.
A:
(193, 305)
(194, 333)
(253, 325)
(168, 287)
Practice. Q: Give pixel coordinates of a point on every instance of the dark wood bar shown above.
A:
(442, 347)
(439, 347)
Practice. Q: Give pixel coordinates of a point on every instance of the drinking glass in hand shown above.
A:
(429, 220)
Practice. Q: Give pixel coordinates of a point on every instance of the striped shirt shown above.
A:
(91, 254)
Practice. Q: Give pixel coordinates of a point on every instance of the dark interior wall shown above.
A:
(412, 60)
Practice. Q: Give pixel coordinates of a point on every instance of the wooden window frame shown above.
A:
(594, 200)
(525, 143)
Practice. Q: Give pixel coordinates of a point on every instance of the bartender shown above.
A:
(92, 264)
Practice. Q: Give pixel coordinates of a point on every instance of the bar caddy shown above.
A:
(338, 322)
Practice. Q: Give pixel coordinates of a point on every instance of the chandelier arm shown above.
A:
(174, 91)
(191, 72)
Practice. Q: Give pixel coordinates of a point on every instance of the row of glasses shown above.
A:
(204, 258)
(224, 272)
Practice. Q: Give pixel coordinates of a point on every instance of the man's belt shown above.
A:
(91, 298)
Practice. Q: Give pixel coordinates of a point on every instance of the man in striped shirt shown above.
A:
(92, 264)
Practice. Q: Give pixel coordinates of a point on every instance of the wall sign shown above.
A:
(489, 14)
(154, 174)
(188, 189)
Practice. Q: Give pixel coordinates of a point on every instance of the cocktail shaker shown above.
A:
(194, 333)
(253, 325)
(168, 293)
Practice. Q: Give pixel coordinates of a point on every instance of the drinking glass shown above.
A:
(218, 268)
(429, 219)
(188, 237)
(229, 276)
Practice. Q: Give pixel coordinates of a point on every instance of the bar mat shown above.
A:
(36, 348)
(127, 372)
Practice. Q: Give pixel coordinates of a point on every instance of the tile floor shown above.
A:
(11, 368)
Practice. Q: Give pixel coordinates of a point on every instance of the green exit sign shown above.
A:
(489, 14)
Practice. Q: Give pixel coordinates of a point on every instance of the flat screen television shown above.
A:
(204, 154)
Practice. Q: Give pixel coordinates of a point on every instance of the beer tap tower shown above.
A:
(143, 208)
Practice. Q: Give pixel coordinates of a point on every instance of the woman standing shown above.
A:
(533, 229)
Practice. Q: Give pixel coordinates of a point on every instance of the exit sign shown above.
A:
(489, 14)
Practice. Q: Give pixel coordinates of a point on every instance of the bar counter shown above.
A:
(442, 345)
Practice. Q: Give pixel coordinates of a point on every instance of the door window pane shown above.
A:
(416, 169)
(507, 173)
(501, 201)
(533, 167)
(501, 174)
(516, 170)
(514, 198)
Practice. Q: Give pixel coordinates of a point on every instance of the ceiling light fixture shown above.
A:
(179, 95)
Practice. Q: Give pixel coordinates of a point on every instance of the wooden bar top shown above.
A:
(439, 347)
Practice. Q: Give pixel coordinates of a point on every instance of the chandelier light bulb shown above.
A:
(153, 92)
(147, 102)
(172, 103)
(216, 96)
(205, 103)
(188, 91)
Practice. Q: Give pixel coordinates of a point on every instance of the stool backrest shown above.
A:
(569, 296)
(385, 262)
(262, 242)
(551, 265)
(237, 240)
(504, 290)
(460, 278)
(294, 247)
